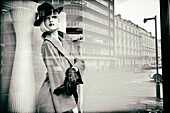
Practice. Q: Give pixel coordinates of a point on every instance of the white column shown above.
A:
(22, 95)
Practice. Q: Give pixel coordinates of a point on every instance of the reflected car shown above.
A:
(152, 74)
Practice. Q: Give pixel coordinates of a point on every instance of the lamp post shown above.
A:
(156, 47)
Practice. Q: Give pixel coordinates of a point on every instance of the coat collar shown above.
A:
(66, 48)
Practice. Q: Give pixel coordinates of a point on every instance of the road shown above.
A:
(118, 91)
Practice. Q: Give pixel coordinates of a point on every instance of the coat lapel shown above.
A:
(64, 48)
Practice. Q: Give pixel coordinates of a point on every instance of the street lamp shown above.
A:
(156, 46)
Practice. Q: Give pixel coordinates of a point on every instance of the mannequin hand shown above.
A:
(59, 90)
(79, 63)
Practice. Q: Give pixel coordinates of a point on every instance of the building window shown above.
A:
(122, 26)
(88, 50)
(97, 50)
(89, 38)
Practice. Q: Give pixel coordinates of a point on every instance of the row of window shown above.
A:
(102, 11)
(98, 40)
(95, 18)
(92, 39)
(96, 29)
(131, 38)
(75, 11)
(148, 43)
(72, 11)
(127, 35)
(105, 3)
(149, 53)
(125, 51)
(74, 24)
(127, 28)
(98, 9)
(128, 43)
(96, 50)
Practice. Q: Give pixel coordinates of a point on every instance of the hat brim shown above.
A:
(38, 21)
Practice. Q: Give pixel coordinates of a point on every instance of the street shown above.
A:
(119, 91)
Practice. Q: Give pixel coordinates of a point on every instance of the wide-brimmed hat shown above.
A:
(44, 10)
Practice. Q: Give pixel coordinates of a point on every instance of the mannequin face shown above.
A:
(52, 22)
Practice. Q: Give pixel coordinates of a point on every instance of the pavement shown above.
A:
(145, 104)
(152, 104)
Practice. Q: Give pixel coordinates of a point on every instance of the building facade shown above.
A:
(128, 46)
(134, 45)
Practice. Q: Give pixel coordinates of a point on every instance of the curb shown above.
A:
(152, 105)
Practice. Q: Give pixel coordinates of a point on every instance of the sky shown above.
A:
(137, 10)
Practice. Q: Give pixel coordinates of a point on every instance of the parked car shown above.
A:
(152, 74)
(146, 67)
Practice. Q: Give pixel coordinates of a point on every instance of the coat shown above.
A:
(56, 66)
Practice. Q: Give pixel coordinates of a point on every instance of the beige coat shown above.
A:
(56, 66)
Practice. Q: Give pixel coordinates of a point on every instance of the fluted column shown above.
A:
(22, 95)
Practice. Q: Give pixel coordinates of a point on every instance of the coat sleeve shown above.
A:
(50, 56)
(71, 46)
(80, 64)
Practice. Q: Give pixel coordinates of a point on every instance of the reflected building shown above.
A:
(91, 24)
(95, 18)
(22, 67)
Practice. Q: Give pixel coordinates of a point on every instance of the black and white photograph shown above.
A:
(84, 56)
